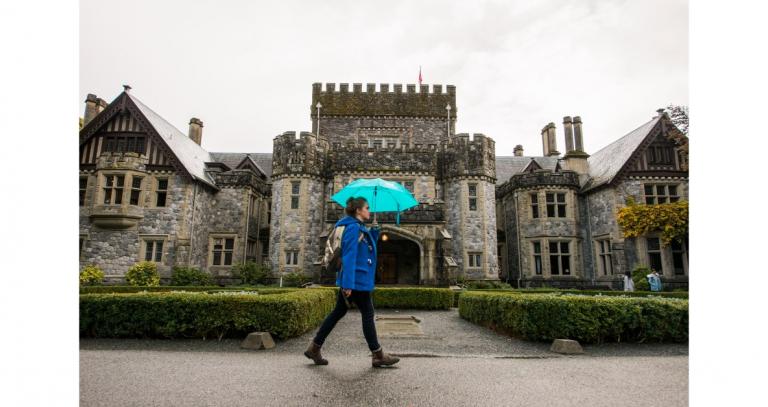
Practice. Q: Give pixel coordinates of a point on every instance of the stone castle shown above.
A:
(150, 192)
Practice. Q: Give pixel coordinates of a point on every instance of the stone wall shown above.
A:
(405, 130)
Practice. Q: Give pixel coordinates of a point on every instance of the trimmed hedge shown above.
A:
(167, 288)
(414, 298)
(666, 294)
(588, 319)
(194, 315)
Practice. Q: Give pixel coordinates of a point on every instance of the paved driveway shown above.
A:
(456, 363)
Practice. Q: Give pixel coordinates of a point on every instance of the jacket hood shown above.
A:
(347, 220)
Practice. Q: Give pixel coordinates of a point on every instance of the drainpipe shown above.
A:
(517, 230)
(247, 221)
(589, 240)
(192, 228)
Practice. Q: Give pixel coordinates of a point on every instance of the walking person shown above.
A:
(355, 282)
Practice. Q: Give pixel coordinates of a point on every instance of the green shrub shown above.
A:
(190, 276)
(555, 291)
(414, 298)
(481, 284)
(203, 315)
(251, 272)
(294, 279)
(167, 288)
(91, 275)
(143, 274)
(638, 277)
(588, 319)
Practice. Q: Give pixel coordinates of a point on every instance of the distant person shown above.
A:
(654, 280)
(629, 285)
(355, 282)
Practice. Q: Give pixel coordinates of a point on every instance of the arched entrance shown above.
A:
(399, 260)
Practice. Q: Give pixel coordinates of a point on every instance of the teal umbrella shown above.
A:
(382, 195)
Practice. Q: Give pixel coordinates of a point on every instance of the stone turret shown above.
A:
(304, 155)
(465, 157)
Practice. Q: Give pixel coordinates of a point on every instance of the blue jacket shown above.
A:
(358, 259)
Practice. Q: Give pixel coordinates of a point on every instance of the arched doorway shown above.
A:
(399, 260)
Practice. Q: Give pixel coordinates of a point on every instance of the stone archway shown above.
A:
(400, 257)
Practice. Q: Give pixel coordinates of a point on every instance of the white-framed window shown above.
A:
(153, 248)
(555, 204)
(475, 259)
(291, 257)
(660, 193)
(113, 189)
(559, 257)
(221, 250)
(538, 268)
(604, 256)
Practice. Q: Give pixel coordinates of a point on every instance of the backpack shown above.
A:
(332, 257)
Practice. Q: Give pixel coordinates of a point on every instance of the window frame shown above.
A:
(83, 189)
(159, 191)
(538, 266)
(474, 260)
(154, 239)
(559, 254)
(222, 257)
(659, 251)
(109, 190)
(133, 189)
(605, 257)
(535, 206)
(295, 194)
(472, 195)
(291, 257)
(653, 198)
(556, 206)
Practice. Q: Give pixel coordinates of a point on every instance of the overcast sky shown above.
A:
(246, 68)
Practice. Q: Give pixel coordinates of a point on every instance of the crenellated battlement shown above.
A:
(415, 101)
(469, 157)
(304, 154)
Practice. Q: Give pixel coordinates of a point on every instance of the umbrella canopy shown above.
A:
(382, 195)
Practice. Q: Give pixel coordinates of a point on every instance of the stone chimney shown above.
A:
(577, 134)
(93, 106)
(518, 150)
(552, 139)
(568, 129)
(576, 158)
(545, 139)
(196, 130)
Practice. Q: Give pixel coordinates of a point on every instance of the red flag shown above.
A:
(419, 75)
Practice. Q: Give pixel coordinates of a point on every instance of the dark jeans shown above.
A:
(364, 303)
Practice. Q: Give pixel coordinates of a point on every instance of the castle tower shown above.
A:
(469, 176)
(297, 201)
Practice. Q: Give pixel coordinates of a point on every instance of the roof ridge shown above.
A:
(624, 136)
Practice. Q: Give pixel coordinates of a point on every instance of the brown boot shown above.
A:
(382, 359)
(313, 352)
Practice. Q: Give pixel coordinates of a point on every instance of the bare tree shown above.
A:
(679, 116)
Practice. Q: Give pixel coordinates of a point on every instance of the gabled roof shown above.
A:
(507, 166)
(606, 163)
(262, 161)
(191, 155)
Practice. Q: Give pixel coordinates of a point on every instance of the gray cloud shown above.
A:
(246, 68)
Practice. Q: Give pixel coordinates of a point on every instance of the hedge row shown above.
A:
(414, 298)
(588, 319)
(192, 315)
(166, 288)
(666, 294)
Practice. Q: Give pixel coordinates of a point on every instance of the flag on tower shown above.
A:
(419, 75)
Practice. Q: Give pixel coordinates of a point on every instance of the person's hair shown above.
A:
(353, 204)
